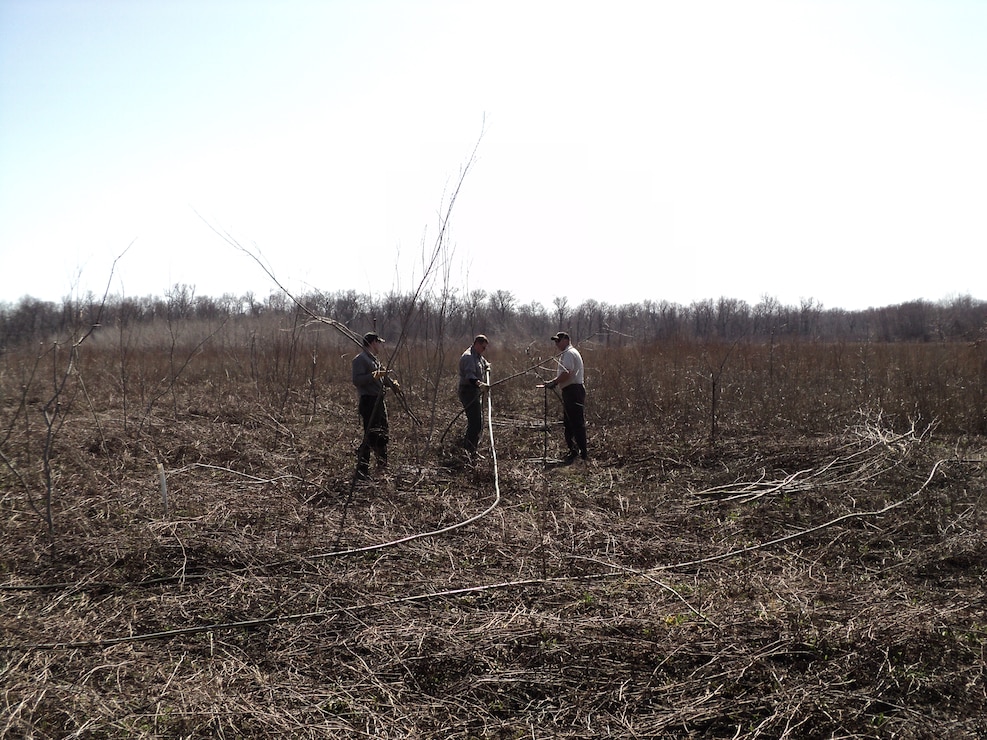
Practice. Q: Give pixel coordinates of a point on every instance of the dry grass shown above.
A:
(813, 571)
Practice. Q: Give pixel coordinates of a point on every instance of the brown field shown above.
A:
(770, 540)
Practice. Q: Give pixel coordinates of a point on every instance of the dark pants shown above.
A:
(574, 418)
(374, 415)
(469, 396)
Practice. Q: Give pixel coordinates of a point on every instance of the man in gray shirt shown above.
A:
(473, 375)
(370, 379)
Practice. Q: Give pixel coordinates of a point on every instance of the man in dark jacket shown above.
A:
(473, 371)
(370, 379)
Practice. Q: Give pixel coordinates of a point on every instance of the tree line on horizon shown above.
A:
(961, 318)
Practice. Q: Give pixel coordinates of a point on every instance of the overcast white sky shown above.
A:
(663, 150)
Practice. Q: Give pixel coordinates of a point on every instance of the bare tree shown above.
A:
(561, 304)
(55, 410)
(474, 309)
(502, 303)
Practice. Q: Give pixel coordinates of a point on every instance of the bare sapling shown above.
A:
(715, 372)
(433, 262)
(66, 383)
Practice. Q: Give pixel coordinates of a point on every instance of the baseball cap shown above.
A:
(371, 337)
